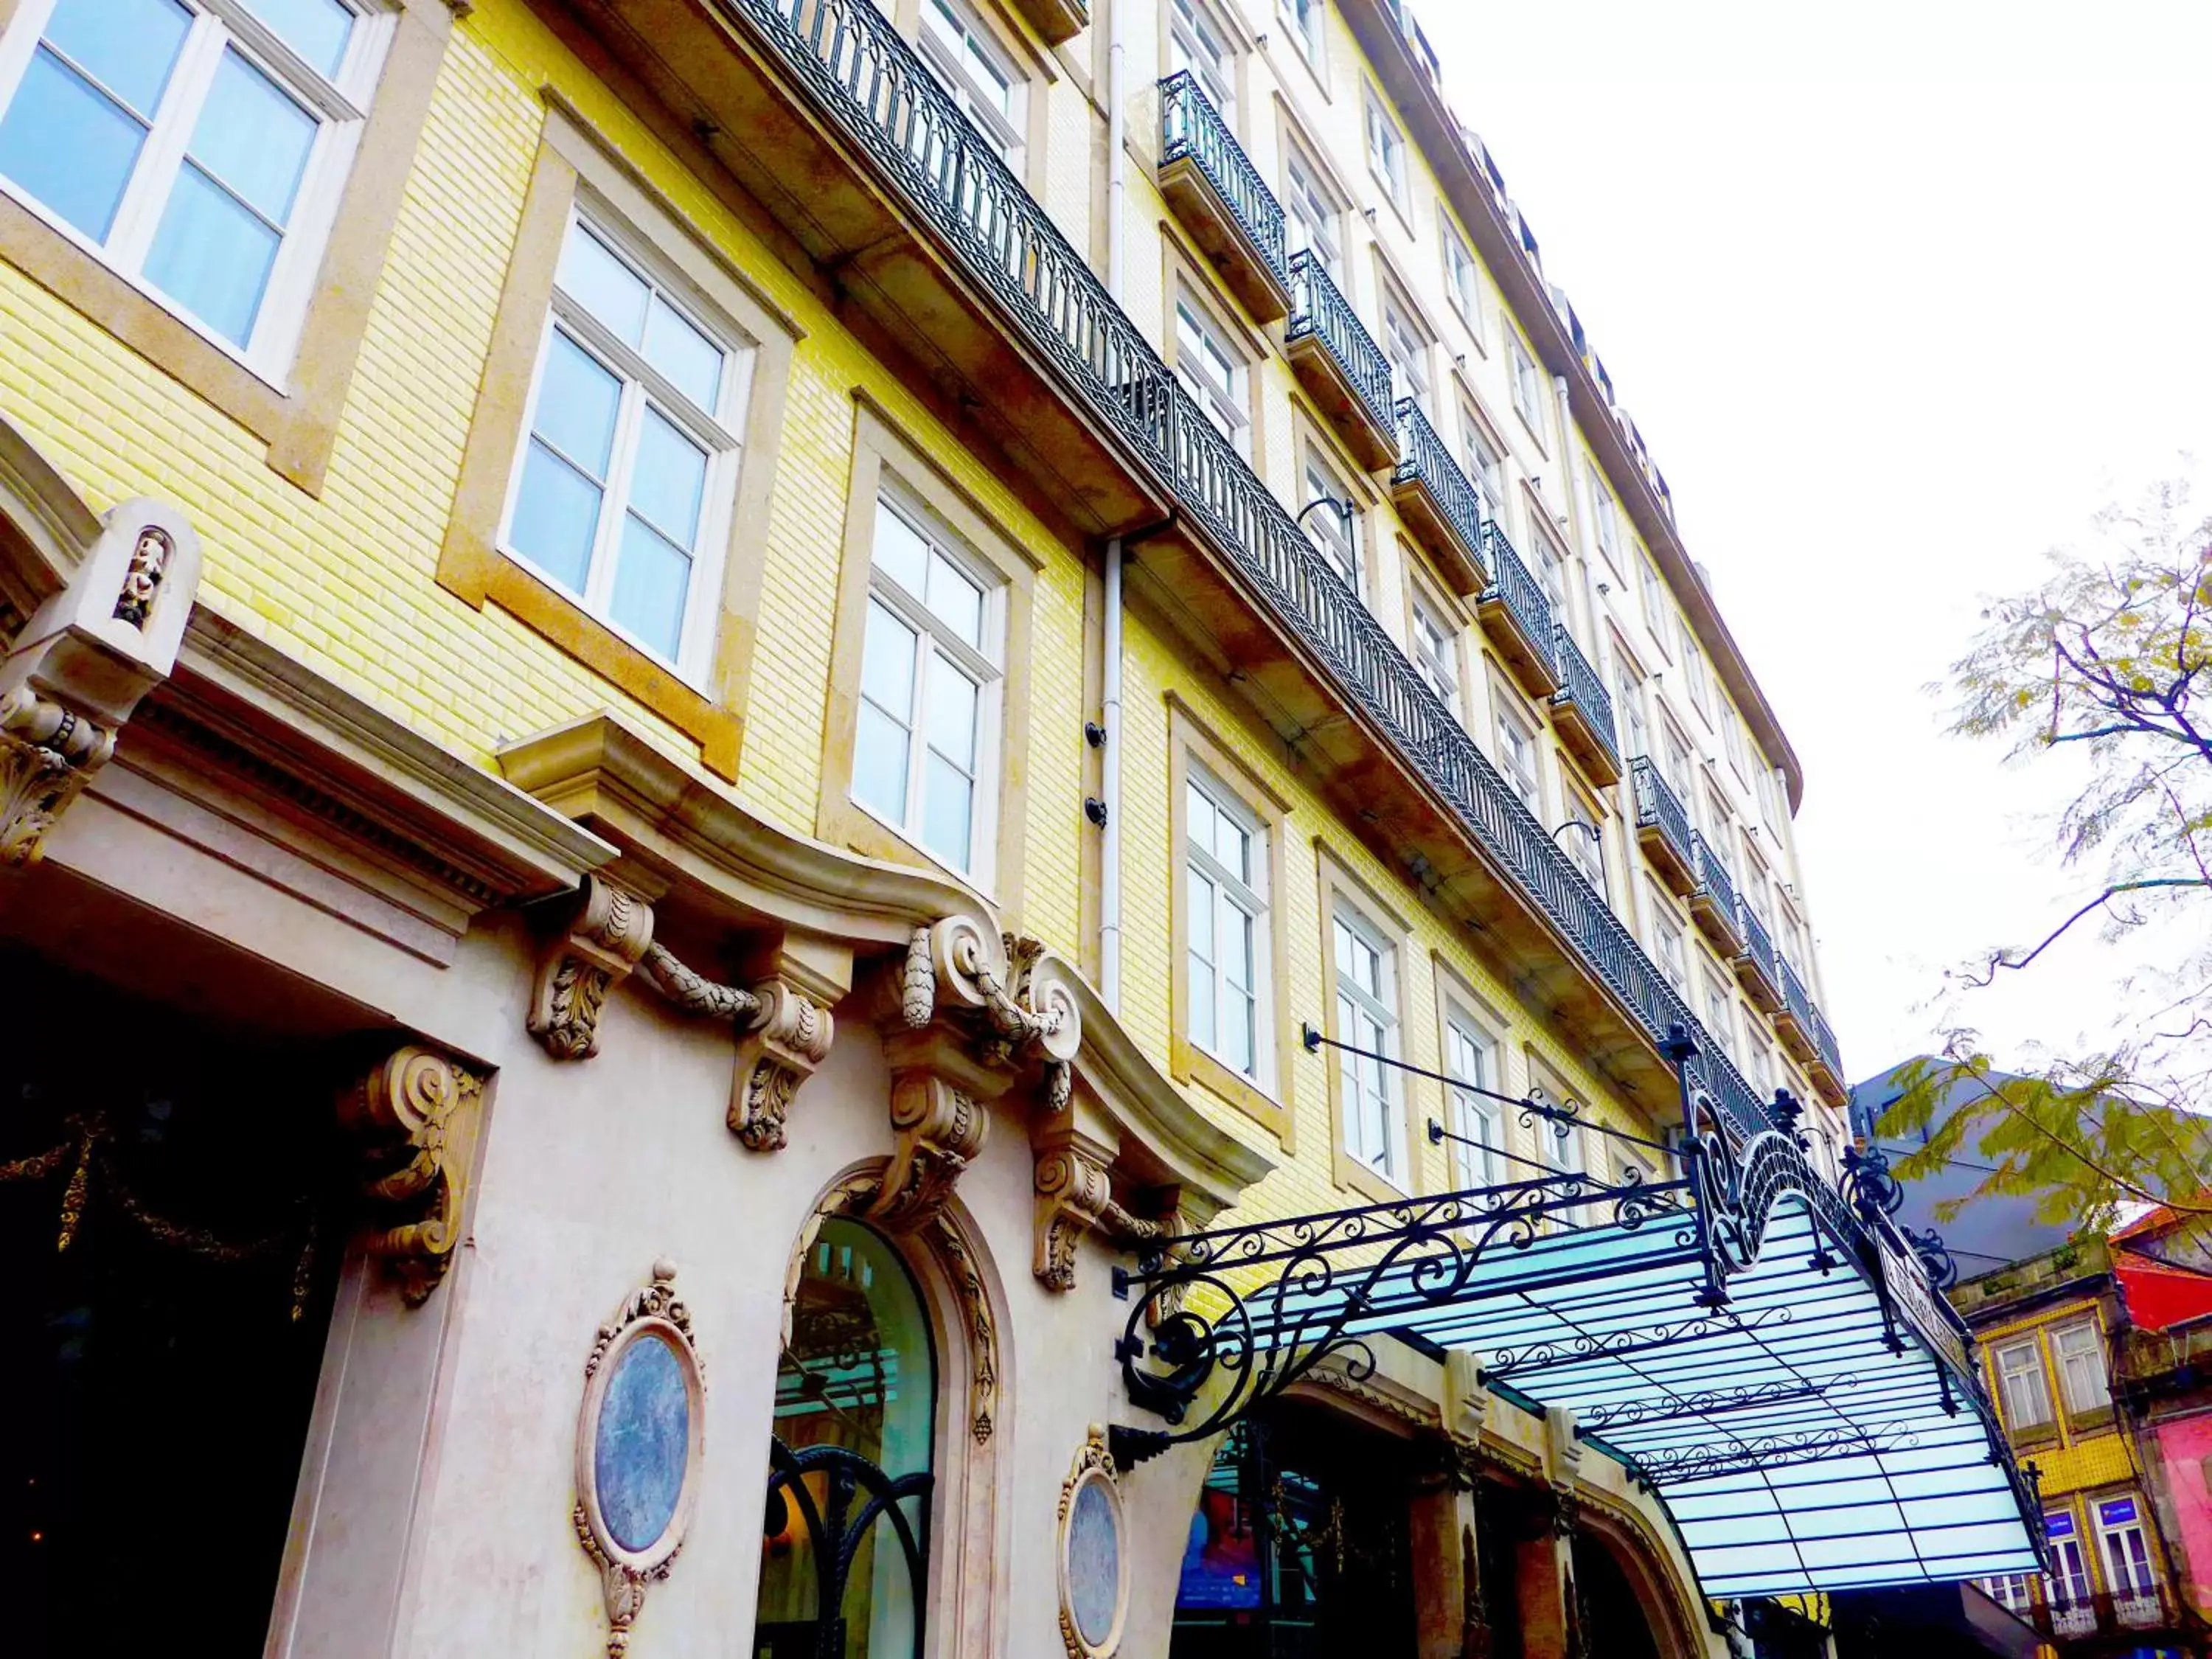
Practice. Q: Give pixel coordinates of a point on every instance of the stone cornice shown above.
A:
(360, 773)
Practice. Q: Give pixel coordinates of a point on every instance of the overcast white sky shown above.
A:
(1898, 292)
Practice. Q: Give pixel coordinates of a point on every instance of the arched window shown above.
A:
(845, 1536)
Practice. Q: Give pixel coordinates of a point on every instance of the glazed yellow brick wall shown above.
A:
(2099, 1462)
(1157, 668)
(346, 582)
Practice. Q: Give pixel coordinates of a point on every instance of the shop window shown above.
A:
(198, 150)
(172, 1244)
(845, 1539)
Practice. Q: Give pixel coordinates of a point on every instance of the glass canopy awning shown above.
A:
(1766, 1352)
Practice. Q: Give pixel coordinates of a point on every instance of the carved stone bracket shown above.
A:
(611, 932)
(939, 1126)
(83, 662)
(784, 1029)
(414, 1116)
(1074, 1196)
(1012, 996)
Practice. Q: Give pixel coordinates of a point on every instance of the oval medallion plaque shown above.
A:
(1094, 1567)
(644, 1441)
(638, 1445)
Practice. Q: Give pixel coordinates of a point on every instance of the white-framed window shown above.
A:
(1226, 874)
(1312, 217)
(1212, 371)
(1761, 1069)
(1408, 348)
(1517, 757)
(1199, 43)
(1485, 465)
(1718, 833)
(1755, 895)
(1720, 1010)
(1471, 1056)
(1674, 763)
(2079, 1350)
(1463, 277)
(971, 65)
(1551, 571)
(2126, 1552)
(1762, 781)
(1386, 149)
(926, 751)
(1305, 20)
(1367, 1019)
(623, 490)
(1606, 511)
(1530, 389)
(1655, 608)
(1694, 671)
(2020, 1380)
(2068, 1585)
(1673, 961)
(1628, 703)
(1435, 652)
(1732, 741)
(196, 147)
(2012, 1592)
(1585, 847)
(1336, 536)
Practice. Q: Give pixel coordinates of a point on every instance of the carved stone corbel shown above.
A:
(939, 1124)
(611, 932)
(1010, 994)
(414, 1116)
(1075, 1182)
(82, 663)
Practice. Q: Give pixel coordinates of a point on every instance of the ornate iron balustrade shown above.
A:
(1656, 803)
(1824, 1042)
(1191, 127)
(1581, 686)
(1758, 942)
(1795, 1002)
(1425, 459)
(1317, 309)
(873, 86)
(1512, 581)
(1713, 876)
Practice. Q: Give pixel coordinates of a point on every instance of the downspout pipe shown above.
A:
(1110, 781)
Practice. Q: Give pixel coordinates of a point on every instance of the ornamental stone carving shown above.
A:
(611, 931)
(414, 1116)
(789, 1035)
(940, 1125)
(81, 665)
(1075, 1182)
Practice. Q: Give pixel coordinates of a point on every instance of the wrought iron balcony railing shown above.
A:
(1824, 1044)
(1795, 1002)
(1423, 458)
(1658, 807)
(1512, 582)
(1579, 684)
(1758, 942)
(1190, 127)
(1319, 311)
(1713, 877)
(871, 85)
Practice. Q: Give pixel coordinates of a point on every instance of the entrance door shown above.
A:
(1299, 1547)
(166, 1265)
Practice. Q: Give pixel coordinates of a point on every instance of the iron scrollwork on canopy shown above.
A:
(1323, 1274)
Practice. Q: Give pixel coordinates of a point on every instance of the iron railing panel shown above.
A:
(1580, 685)
(1318, 308)
(1657, 805)
(1513, 582)
(1424, 459)
(1191, 127)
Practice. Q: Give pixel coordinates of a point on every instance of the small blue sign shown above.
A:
(2057, 1526)
(641, 1444)
(2119, 1512)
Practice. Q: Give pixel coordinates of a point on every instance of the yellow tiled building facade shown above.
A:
(595, 479)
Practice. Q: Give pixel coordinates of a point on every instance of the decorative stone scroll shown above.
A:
(612, 930)
(1074, 1196)
(641, 1439)
(1094, 1553)
(414, 1116)
(782, 1033)
(82, 663)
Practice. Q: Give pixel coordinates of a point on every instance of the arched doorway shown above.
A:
(845, 1537)
(1615, 1622)
(1299, 1545)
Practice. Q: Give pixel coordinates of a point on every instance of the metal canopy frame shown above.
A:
(1768, 1353)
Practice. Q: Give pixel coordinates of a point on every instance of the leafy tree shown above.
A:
(2102, 676)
